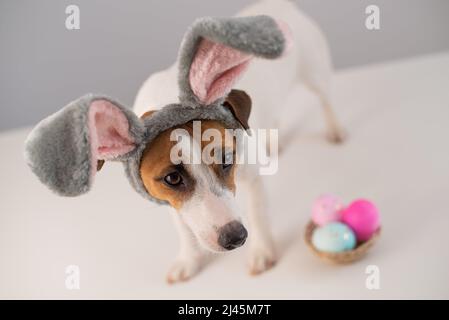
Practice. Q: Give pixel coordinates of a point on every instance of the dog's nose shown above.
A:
(232, 235)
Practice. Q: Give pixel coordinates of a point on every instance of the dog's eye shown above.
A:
(228, 161)
(173, 179)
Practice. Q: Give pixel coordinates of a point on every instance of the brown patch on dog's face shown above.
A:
(160, 176)
(155, 166)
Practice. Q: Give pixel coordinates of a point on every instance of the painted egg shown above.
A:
(334, 237)
(326, 208)
(362, 217)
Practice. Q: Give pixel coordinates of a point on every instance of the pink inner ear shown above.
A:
(288, 36)
(214, 70)
(109, 131)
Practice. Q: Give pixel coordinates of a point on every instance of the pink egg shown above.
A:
(327, 208)
(362, 217)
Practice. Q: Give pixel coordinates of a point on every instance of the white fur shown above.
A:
(212, 206)
(306, 68)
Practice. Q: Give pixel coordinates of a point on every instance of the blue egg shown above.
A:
(334, 237)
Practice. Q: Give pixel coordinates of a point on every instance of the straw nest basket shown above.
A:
(341, 257)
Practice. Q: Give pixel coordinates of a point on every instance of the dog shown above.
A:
(206, 219)
(178, 108)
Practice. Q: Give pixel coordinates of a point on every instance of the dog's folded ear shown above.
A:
(65, 149)
(239, 102)
(216, 51)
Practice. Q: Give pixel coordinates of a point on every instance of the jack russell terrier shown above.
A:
(66, 149)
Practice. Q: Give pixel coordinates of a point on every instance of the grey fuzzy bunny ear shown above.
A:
(216, 51)
(63, 149)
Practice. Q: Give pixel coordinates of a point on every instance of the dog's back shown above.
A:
(267, 82)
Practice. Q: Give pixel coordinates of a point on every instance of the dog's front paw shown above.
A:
(261, 258)
(183, 269)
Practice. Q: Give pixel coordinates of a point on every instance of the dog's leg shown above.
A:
(333, 129)
(334, 132)
(262, 253)
(191, 256)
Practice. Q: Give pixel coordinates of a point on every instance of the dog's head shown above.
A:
(65, 149)
(201, 191)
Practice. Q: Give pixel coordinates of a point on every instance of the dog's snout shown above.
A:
(232, 235)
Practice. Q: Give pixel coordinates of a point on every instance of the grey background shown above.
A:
(43, 65)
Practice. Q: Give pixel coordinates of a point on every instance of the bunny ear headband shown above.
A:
(63, 149)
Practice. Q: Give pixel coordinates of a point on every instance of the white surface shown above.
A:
(397, 154)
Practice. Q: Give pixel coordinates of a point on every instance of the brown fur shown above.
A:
(239, 102)
(156, 163)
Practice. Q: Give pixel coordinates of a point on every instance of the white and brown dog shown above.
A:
(67, 148)
(202, 196)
